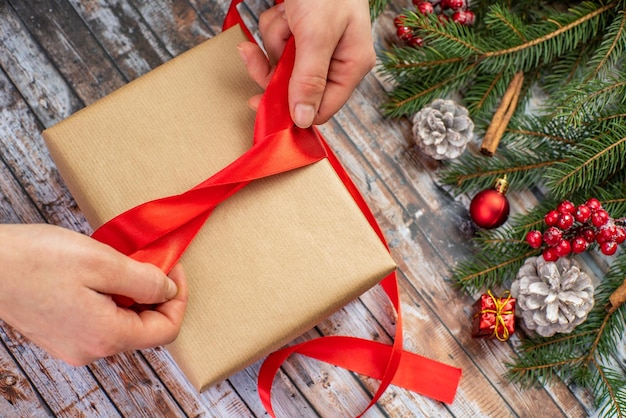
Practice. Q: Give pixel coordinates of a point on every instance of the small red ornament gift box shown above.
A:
(494, 316)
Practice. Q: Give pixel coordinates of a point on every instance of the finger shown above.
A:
(255, 101)
(142, 282)
(256, 62)
(150, 328)
(275, 31)
(343, 78)
(308, 79)
(174, 309)
(162, 325)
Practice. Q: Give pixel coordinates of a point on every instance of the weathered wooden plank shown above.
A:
(45, 92)
(179, 25)
(23, 151)
(120, 30)
(15, 205)
(186, 396)
(68, 391)
(225, 400)
(74, 390)
(71, 47)
(286, 397)
(17, 397)
(134, 389)
(33, 74)
(211, 12)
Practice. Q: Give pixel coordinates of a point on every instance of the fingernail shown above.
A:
(253, 103)
(281, 8)
(172, 289)
(243, 56)
(303, 115)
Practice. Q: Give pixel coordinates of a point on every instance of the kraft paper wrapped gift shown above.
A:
(273, 260)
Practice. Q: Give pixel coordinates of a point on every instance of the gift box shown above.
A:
(273, 260)
(494, 317)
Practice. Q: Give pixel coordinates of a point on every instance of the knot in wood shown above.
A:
(7, 380)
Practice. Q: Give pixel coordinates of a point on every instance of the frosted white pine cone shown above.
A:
(552, 296)
(442, 129)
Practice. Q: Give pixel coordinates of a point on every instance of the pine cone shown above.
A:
(442, 129)
(552, 296)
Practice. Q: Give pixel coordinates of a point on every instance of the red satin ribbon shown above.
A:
(159, 231)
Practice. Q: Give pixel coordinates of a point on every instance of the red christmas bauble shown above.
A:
(490, 208)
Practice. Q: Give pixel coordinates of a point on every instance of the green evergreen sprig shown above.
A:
(571, 146)
(377, 7)
(589, 162)
(457, 57)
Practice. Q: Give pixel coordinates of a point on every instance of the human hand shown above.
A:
(334, 51)
(55, 288)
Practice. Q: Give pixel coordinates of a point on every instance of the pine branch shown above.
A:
(612, 194)
(486, 272)
(377, 7)
(411, 97)
(553, 38)
(566, 68)
(484, 94)
(474, 173)
(573, 149)
(581, 103)
(610, 51)
(507, 43)
(591, 162)
(609, 386)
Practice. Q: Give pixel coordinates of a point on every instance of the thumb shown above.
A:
(142, 282)
(308, 82)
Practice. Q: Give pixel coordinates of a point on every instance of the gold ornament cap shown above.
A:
(501, 185)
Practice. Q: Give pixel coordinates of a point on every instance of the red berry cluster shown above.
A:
(573, 228)
(446, 10)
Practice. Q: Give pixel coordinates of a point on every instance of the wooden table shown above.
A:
(56, 56)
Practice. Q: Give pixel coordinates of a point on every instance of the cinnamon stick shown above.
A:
(617, 298)
(502, 116)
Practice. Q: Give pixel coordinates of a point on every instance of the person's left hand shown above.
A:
(334, 51)
(56, 287)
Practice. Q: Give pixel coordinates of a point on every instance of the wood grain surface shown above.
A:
(57, 56)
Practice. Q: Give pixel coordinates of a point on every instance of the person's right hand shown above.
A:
(334, 51)
(55, 288)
